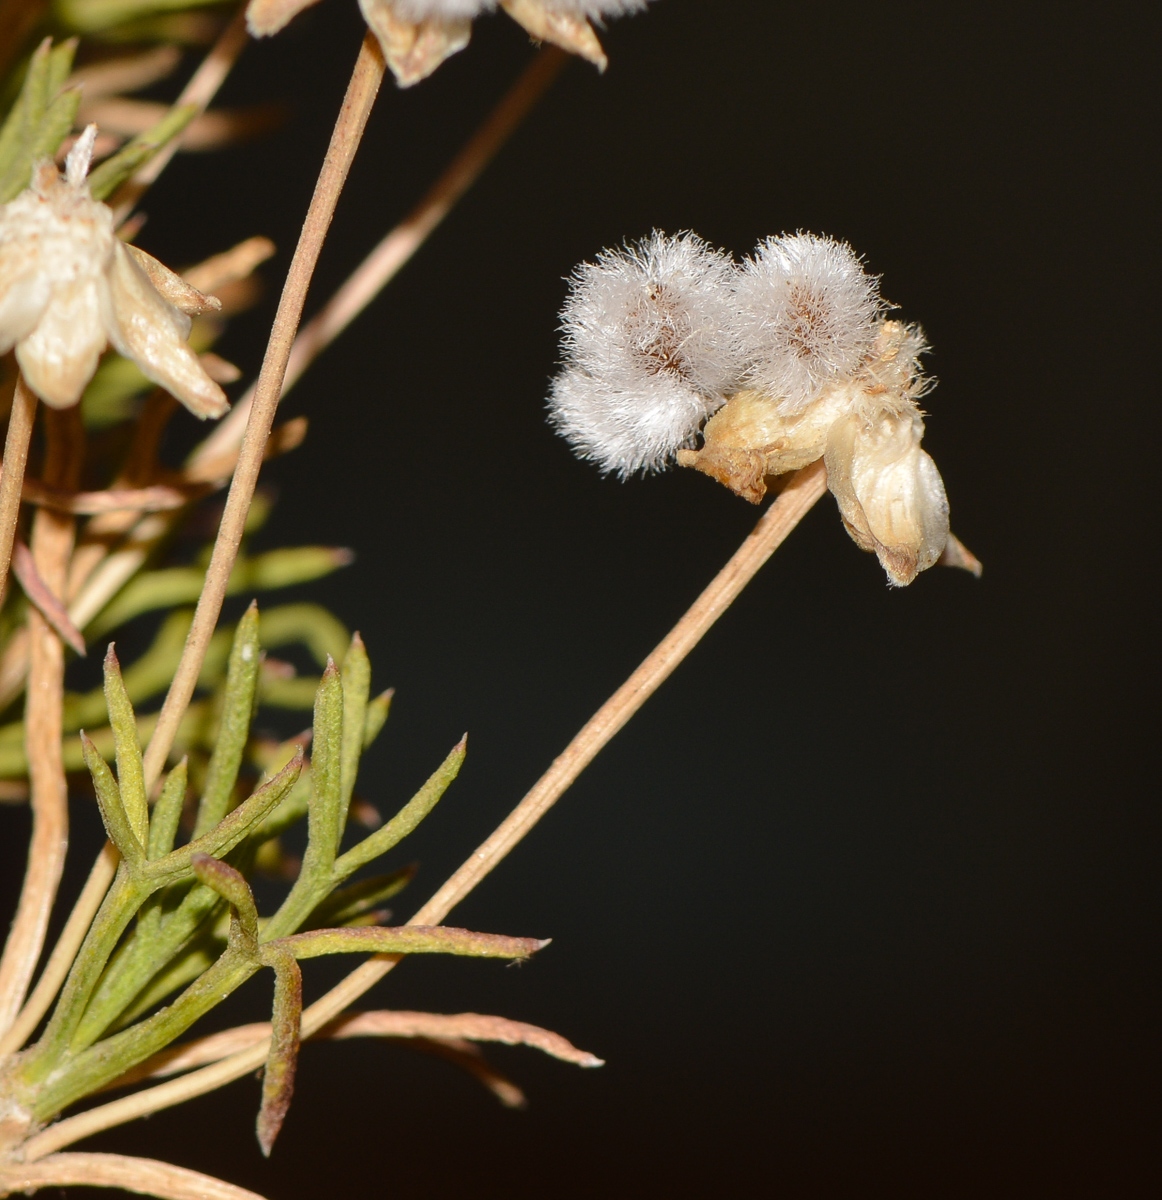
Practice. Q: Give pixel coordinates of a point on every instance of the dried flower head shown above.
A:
(418, 35)
(69, 286)
(649, 351)
(807, 316)
(868, 428)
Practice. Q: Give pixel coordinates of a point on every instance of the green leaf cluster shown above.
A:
(182, 918)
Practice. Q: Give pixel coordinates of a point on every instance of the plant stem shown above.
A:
(145, 1176)
(52, 543)
(396, 249)
(357, 104)
(12, 473)
(65, 951)
(803, 489)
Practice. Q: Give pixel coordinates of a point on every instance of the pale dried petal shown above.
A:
(59, 356)
(889, 491)
(264, 17)
(172, 286)
(569, 30)
(413, 50)
(24, 295)
(152, 332)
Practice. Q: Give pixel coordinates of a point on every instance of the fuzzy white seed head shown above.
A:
(649, 351)
(807, 315)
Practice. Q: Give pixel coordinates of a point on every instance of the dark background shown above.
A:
(865, 901)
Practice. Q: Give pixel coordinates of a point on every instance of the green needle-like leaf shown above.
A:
(326, 812)
(234, 728)
(406, 819)
(232, 828)
(167, 812)
(130, 774)
(409, 939)
(278, 1078)
(356, 677)
(231, 885)
(117, 824)
(376, 718)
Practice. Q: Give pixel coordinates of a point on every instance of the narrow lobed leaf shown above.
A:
(234, 827)
(234, 726)
(406, 819)
(409, 939)
(113, 813)
(130, 773)
(377, 711)
(231, 885)
(326, 750)
(278, 1077)
(167, 812)
(356, 677)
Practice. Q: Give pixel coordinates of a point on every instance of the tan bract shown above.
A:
(868, 430)
(69, 287)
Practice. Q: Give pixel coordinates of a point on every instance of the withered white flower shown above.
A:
(69, 286)
(418, 35)
(890, 494)
(807, 316)
(868, 429)
(649, 351)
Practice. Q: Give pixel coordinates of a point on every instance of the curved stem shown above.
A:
(803, 489)
(357, 104)
(144, 1176)
(52, 544)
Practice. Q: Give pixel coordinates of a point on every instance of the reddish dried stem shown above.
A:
(357, 104)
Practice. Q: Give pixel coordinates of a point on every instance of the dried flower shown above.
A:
(780, 363)
(418, 35)
(649, 351)
(868, 429)
(807, 316)
(69, 286)
(890, 494)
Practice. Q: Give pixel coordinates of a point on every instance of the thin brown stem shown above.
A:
(52, 543)
(12, 474)
(397, 248)
(65, 950)
(357, 104)
(801, 492)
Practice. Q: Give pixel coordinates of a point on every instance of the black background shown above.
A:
(865, 901)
